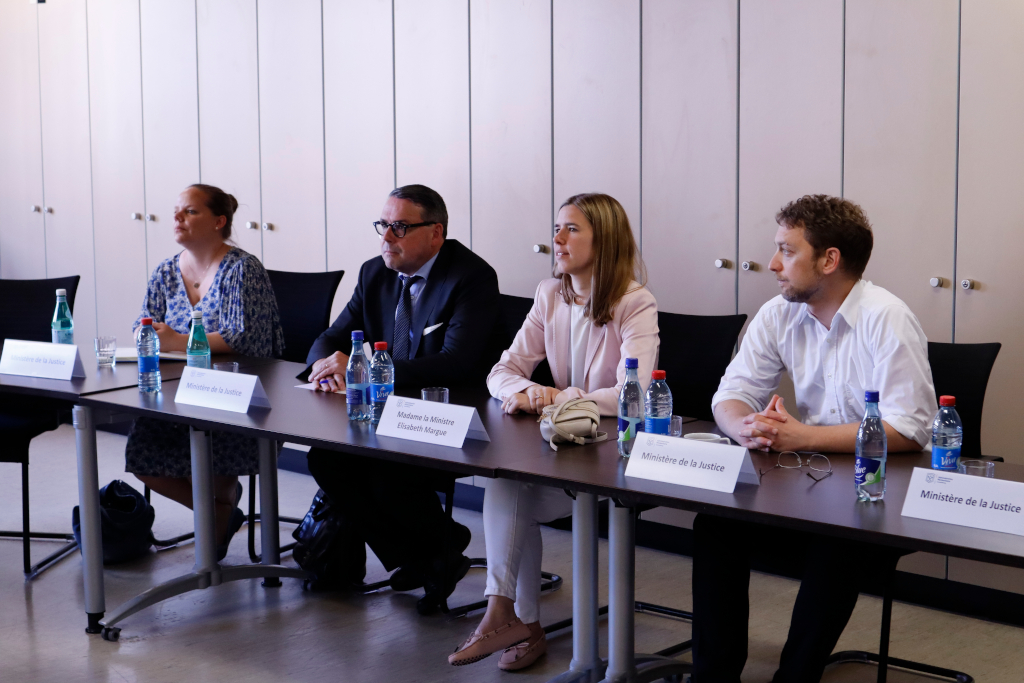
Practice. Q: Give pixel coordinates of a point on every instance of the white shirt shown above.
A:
(580, 338)
(875, 343)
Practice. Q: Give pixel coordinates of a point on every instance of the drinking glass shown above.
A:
(105, 348)
(435, 394)
(977, 468)
(675, 427)
(226, 366)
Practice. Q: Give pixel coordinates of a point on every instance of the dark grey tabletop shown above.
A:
(786, 498)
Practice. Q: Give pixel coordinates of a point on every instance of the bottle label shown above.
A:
(62, 336)
(195, 360)
(357, 394)
(379, 392)
(868, 471)
(628, 427)
(657, 425)
(945, 458)
(149, 363)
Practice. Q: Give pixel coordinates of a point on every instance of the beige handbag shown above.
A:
(574, 421)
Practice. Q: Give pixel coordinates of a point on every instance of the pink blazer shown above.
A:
(632, 333)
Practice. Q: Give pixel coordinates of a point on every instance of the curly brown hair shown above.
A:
(832, 222)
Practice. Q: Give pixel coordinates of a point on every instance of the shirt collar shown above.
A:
(424, 271)
(849, 310)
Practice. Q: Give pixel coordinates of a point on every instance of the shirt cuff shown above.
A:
(721, 396)
(909, 428)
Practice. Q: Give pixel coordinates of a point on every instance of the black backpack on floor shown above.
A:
(126, 523)
(327, 549)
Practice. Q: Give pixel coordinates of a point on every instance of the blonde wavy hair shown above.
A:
(617, 261)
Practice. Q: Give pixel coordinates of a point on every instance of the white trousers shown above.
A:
(513, 512)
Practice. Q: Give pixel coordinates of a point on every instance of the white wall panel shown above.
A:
(292, 134)
(22, 233)
(64, 83)
(511, 81)
(991, 207)
(597, 101)
(791, 90)
(115, 104)
(432, 103)
(229, 110)
(900, 154)
(170, 112)
(359, 132)
(689, 153)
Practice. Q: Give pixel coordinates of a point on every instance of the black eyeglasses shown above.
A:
(791, 460)
(399, 229)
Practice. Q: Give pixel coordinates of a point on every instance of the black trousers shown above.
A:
(391, 507)
(833, 573)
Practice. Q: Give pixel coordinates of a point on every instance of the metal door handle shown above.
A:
(136, 216)
(937, 282)
(49, 209)
(150, 217)
(967, 284)
(268, 226)
(541, 249)
(749, 265)
(723, 263)
(252, 225)
(35, 209)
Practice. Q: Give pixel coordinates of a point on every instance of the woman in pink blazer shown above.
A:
(586, 321)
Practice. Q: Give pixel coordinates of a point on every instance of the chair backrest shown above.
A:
(26, 307)
(962, 370)
(695, 350)
(304, 303)
(511, 315)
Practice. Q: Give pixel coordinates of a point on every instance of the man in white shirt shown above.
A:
(836, 336)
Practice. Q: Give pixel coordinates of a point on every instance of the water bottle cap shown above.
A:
(62, 292)
(147, 321)
(631, 363)
(658, 374)
(380, 346)
(871, 397)
(197, 315)
(947, 401)
(357, 335)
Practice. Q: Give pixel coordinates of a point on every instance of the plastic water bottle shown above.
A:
(357, 381)
(62, 329)
(947, 436)
(197, 353)
(869, 471)
(147, 345)
(382, 380)
(631, 408)
(658, 405)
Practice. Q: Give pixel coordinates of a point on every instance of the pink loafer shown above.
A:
(481, 645)
(522, 655)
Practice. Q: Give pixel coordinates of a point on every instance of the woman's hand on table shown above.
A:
(533, 400)
(169, 339)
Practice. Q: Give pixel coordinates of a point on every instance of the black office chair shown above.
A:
(695, 350)
(960, 370)
(26, 309)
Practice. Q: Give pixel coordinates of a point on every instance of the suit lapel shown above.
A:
(429, 297)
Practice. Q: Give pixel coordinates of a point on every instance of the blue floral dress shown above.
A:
(241, 306)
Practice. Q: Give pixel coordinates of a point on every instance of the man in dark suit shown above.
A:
(434, 302)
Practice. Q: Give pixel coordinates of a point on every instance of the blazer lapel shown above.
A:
(429, 298)
(593, 344)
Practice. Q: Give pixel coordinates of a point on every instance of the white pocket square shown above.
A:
(428, 330)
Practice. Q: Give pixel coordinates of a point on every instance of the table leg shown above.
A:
(203, 508)
(586, 665)
(270, 541)
(621, 578)
(89, 516)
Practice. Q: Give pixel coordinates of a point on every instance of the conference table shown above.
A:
(786, 498)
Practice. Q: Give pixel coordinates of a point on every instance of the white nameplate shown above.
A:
(444, 424)
(41, 359)
(976, 502)
(221, 390)
(702, 465)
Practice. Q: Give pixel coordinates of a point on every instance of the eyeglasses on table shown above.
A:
(791, 460)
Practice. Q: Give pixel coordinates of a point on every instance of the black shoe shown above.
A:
(411, 576)
(435, 584)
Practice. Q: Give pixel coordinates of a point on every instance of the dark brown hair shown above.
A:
(832, 222)
(617, 262)
(220, 203)
(431, 204)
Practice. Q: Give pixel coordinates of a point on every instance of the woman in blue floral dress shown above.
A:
(240, 315)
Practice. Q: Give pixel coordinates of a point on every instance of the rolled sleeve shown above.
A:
(903, 375)
(754, 373)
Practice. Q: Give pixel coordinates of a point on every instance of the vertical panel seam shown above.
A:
(259, 122)
(142, 118)
(736, 262)
(199, 120)
(842, 116)
(42, 155)
(956, 166)
(469, 78)
(394, 99)
(641, 217)
(551, 56)
(323, 122)
(92, 185)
